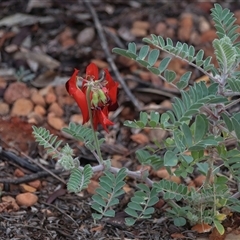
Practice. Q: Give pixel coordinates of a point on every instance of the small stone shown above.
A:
(3, 83)
(76, 118)
(203, 24)
(145, 75)
(38, 99)
(166, 104)
(163, 173)
(171, 22)
(35, 184)
(55, 122)
(56, 109)
(50, 97)
(86, 36)
(186, 27)
(140, 138)
(66, 100)
(16, 91)
(4, 109)
(26, 188)
(199, 181)
(159, 204)
(18, 173)
(175, 179)
(237, 15)
(46, 90)
(61, 90)
(22, 107)
(35, 118)
(40, 110)
(11, 203)
(160, 29)
(138, 32)
(26, 199)
(208, 36)
(141, 24)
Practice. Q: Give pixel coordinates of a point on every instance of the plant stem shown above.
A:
(100, 159)
(209, 176)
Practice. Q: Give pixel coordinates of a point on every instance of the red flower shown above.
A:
(103, 95)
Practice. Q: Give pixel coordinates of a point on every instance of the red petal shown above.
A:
(78, 95)
(112, 87)
(101, 117)
(81, 101)
(92, 70)
(71, 84)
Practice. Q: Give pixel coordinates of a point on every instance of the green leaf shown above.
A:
(120, 51)
(187, 134)
(143, 187)
(96, 207)
(170, 159)
(132, 47)
(179, 221)
(109, 213)
(187, 158)
(154, 119)
(96, 216)
(130, 221)
(169, 42)
(219, 227)
(164, 63)
(153, 201)
(148, 211)
(143, 52)
(199, 58)
(144, 117)
(169, 75)
(200, 128)
(135, 206)
(183, 82)
(131, 212)
(79, 179)
(225, 53)
(161, 41)
(131, 124)
(98, 199)
(143, 62)
(142, 156)
(154, 70)
(236, 126)
(153, 56)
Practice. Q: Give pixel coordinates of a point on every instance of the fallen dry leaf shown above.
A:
(177, 235)
(35, 184)
(140, 138)
(18, 173)
(97, 229)
(92, 186)
(202, 228)
(26, 188)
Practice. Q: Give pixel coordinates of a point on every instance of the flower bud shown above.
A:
(95, 100)
(102, 96)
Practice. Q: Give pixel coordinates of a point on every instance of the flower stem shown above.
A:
(100, 159)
